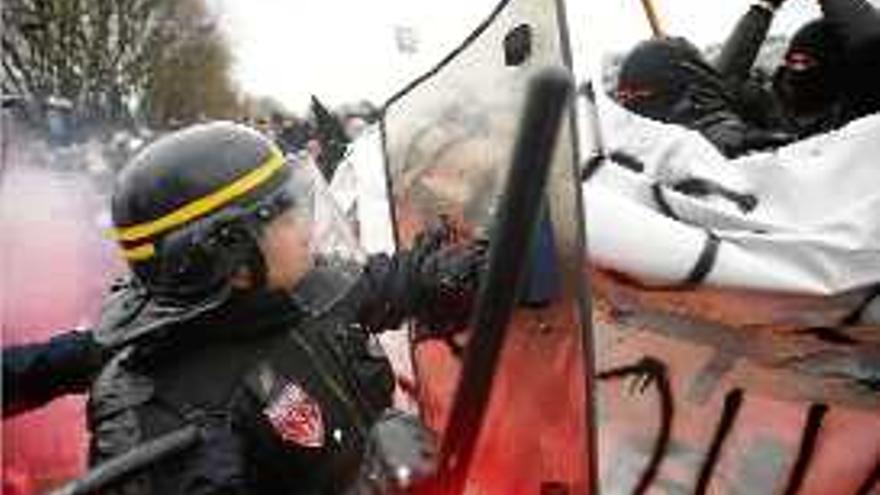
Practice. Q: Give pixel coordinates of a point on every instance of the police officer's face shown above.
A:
(285, 245)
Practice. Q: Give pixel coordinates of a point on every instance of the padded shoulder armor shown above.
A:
(113, 422)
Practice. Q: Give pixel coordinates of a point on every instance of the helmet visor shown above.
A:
(310, 249)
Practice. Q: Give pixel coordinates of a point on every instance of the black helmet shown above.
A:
(188, 209)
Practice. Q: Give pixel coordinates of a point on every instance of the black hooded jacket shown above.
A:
(843, 85)
(669, 80)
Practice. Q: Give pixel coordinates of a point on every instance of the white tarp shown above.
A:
(359, 188)
(815, 229)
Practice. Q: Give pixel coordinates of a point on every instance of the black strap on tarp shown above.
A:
(517, 217)
(732, 403)
(705, 261)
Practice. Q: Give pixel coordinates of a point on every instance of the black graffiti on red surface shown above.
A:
(651, 370)
(871, 482)
(729, 412)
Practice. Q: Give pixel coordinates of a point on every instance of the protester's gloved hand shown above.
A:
(401, 455)
(447, 280)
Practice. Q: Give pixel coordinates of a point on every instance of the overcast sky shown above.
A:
(345, 50)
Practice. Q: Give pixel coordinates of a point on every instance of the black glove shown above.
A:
(401, 455)
(447, 279)
(34, 374)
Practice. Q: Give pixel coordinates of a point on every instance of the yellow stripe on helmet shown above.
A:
(204, 205)
(140, 253)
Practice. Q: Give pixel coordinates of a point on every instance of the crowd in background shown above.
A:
(73, 144)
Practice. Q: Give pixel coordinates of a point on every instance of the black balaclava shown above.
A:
(670, 81)
(808, 81)
(657, 74)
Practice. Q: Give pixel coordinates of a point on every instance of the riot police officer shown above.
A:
(251, 316)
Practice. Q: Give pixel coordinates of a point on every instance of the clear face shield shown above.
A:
(310, 249)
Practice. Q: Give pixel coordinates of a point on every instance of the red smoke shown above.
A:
(55, 264)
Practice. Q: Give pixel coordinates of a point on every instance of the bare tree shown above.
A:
(103, 54)
(190, 77)
(94, 53)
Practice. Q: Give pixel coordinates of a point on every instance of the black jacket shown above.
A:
(285, 399)
(858, 24)
(854, 23)
(34, 374)
(668, 79)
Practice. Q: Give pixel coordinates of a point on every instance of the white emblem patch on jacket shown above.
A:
(296, 417)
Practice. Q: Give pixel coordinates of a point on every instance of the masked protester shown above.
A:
(829, 76)
(808, 83)
(251, 316)
(668, 80)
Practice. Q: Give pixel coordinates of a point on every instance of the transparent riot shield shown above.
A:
(448, 140)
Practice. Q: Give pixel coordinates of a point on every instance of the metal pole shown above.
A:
(517, 217)
(653, 18)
